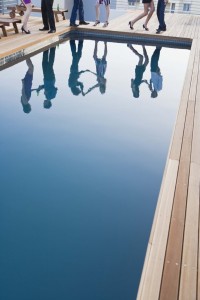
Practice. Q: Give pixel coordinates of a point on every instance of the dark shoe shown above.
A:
(52, 31)
(44, 29)
(158, 31)
(130, 24)
(83, 23)
(146, 28)
(23, 30)
(73, 25)
(96, 23)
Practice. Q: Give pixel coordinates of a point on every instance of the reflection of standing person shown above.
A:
(161, 15)
(148, 12)
(156, 77)
(26, 87)
(101, 66)
(48, 16)
(139, 70)
(50, 90)
(78, 6)
(27, 13)
(97, 7)
(75, 85)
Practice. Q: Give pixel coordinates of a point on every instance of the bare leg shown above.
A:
(140, 56)
(97, 12)
(144, 14)
(151, 11)
(107, 12)
(27, 15)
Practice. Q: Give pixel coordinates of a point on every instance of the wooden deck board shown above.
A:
(172, 262)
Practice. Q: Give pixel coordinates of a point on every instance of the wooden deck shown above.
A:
(172, 266)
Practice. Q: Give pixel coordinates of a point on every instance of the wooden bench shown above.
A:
(2, 26)
(20, 9)
(8, 22)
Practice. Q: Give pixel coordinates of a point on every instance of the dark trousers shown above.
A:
(161, 14)
(47, 14)
(78, 6)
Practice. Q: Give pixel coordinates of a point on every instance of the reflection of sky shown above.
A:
(79, 181)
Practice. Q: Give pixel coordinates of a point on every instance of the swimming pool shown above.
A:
(86, 129)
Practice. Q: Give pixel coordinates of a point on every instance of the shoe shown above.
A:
(146, 28)
(96, 23)
(52, 31)
(158, 31)
(23, 30)
(44, 29)
(105, 24)
(130, 24)
(83, 23)
(73, 25)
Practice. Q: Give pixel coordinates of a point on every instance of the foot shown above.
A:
(83, 23)
(52, 31)
(159, 30)
(44, 29)
(130, 24)
(145, 27)
(73, 25)
(96, 23)
(105, 24)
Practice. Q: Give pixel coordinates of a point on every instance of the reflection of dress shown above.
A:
(101, 65)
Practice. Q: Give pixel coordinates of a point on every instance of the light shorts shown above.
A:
(106, 2)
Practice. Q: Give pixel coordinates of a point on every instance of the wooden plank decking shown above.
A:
(171, 267)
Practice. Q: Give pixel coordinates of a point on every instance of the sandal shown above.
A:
(96, 23)
(105, 24)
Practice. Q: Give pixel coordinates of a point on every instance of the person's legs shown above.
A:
(144, 14)
(150, 13)
(162, 15)
(44, 14)
(81, 11)
(26, 15)
(107, 12)
(97, 9)
(50, 14)
(74, 12)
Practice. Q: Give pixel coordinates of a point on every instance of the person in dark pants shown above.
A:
(50, 90)
(156, 77)
(161, 15)
(48, 16)
(74, 84)
(78, 6)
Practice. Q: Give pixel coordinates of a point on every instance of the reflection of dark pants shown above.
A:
(76, 54)
(161, 14)
(78, 6)
(47, 14)
(47, 63)
(155, 59)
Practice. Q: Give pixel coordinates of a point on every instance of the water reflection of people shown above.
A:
(139, 70)
(101, 66)
(75, 85)
(26, 87)
(156, 77)
(50, 90)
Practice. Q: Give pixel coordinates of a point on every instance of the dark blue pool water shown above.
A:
(82, 160)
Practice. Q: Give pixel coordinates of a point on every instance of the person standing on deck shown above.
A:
(149, 9)
(97, 7)
(28, 6)
(48, 16)
(78, 6)
(161, 15)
